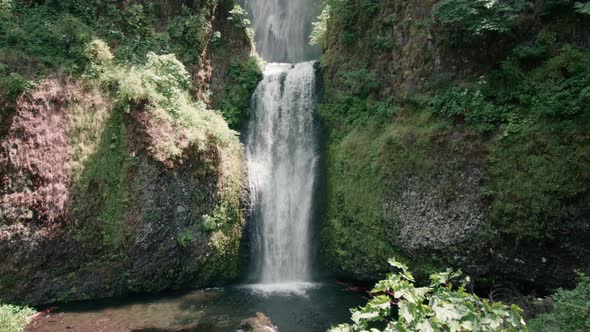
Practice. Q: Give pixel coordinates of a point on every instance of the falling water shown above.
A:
(282, 29)
(282, 159)
(282, 147)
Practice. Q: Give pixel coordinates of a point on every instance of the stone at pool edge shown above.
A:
(259, 323)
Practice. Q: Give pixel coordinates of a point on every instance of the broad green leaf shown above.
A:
(446, 312)
(405, 312)
(424, 326)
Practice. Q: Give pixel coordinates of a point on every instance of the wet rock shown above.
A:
(259, 323)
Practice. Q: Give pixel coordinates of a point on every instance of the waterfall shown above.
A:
(282, 29)
(282, 142)
(282, 156)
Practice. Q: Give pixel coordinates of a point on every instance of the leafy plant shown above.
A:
(245, 76)
(571, 310)
(5, 6)
(188, 34)
(582, 8)
(185, 237)
(468, 105)
(398, 305)
(13, 85)
(320, 27)
(13, 318)
(359, 82)
(371, 7)
(162, 81)
(479, 18)
(98, 52)
(239, 17)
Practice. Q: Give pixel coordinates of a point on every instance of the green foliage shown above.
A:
(35, 39)
(100, 188)
(352, 233)
(342, 12)
(13, 318)
(235, 107)
(398, 305)
(161, 86)
(42, 38)
(582, 8)
(162, 81)
(13, 84)
(185, 237)
(239, 17)
(571, 310)
(383, 43)
(539, 115)
(188, 34)
(98, 52)
(371, 7)
(467, 105)
(6, 7)
(359, 82)
(320, 27)
(474, 19)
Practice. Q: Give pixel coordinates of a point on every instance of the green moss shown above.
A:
(524, 122)
(539, 155)
(352, 234)
(361, 167)
(101, 187)
(7, 282)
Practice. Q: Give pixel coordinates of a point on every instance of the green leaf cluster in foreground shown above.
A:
(13, 318)
(398, 305)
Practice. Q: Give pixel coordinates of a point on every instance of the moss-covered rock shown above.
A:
(443, 152)
(123, 181)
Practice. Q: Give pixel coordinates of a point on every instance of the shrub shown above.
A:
(13, 85)
(571, 310)
(162, 81)
(371, 7)
(478, 18)
(359, 82)
(13, 318)
(188, 33)
(320, 27)
(98, 52)
(398, 305)
(245, 76)
(161, 87)
(582, 8)
(239, 17)
(469, 105)
(5, 6)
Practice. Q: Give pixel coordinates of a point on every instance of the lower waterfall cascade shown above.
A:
(282, 157)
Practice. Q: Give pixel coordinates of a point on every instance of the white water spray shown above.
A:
(282, 157)
(282, 145)
(282, 29)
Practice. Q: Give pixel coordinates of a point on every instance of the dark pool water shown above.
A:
(292, 307)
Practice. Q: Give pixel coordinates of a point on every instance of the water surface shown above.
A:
(303, 307)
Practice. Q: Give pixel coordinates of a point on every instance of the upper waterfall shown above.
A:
(282, 29)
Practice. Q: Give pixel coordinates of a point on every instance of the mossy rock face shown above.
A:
(134, 224)
(110, 197)
(490, 179)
